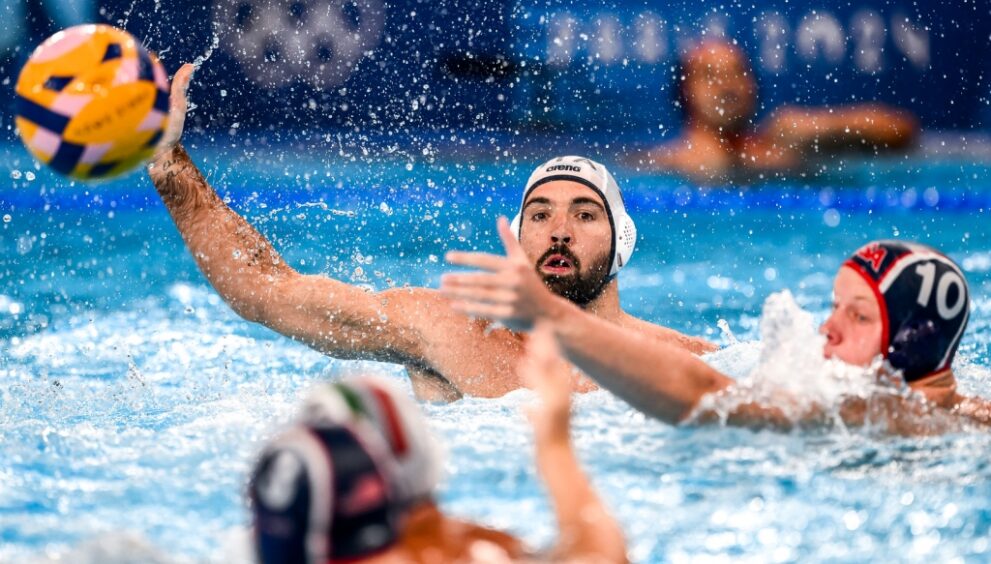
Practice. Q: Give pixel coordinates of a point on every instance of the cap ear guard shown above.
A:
(915, 349)
(626, 240)
(292, 498)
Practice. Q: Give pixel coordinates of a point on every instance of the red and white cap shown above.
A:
(395, 416)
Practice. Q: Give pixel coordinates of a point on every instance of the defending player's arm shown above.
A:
(657, 377)
(586, 530)
(252, 278)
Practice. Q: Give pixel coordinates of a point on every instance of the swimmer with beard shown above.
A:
(572, 210)
(900, 304)
(579, 287)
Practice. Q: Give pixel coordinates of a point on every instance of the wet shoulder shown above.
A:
(435, 312)
(696, 345)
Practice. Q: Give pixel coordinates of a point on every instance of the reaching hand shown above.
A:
(177, 109)
(544, 370)
(507, 289)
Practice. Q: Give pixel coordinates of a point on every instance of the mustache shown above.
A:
(562, 250)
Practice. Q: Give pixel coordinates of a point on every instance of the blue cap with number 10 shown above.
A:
(924, 304)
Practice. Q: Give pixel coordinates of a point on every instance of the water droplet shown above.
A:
(831, 217)
(29, 175)
(15, 174)
(7, 218)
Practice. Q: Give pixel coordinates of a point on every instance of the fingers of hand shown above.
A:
(177, 106)
(484, 310)
(547, 372)
(472, 280)
(181, 80)
(506, 287)
(486, 261)
(542, 339)
(497, 296)
(534, 368)
(509, 241)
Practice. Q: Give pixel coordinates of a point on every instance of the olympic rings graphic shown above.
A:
(279, 42)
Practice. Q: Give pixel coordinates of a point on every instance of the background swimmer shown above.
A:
(356, 434)
(718, 95)
(904, 302)
(567, 231)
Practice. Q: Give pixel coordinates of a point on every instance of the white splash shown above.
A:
(214, 43)
(792, 375)
(791, 360)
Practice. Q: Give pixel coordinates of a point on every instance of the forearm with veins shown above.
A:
(238, 261)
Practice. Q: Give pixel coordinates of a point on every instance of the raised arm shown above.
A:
(248, 273)
(860, 125)
(586, 530)
(657, 377)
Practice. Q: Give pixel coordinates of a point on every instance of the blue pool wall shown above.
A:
(601, 69)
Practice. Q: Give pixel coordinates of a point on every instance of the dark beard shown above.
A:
(581, 288)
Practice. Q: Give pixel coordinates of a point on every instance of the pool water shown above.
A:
(132, 400)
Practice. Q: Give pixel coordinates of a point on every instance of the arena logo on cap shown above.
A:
(566, 168)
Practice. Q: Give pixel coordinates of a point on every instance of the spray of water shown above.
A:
(214, 43)
(793, 385)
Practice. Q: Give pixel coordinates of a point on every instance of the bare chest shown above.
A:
(478, 363)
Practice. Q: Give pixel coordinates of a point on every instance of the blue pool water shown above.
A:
(132, 400)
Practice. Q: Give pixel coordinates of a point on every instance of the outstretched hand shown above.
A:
(178, 103)
(507, 288)
(545, 371)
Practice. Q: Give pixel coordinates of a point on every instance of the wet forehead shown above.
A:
(563, 193)
(849, 286)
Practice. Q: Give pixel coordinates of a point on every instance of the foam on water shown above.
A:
(136, 408)
(791, 365)
(165, 461)
(791, 374)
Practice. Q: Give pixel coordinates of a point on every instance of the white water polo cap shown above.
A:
(596, 177)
